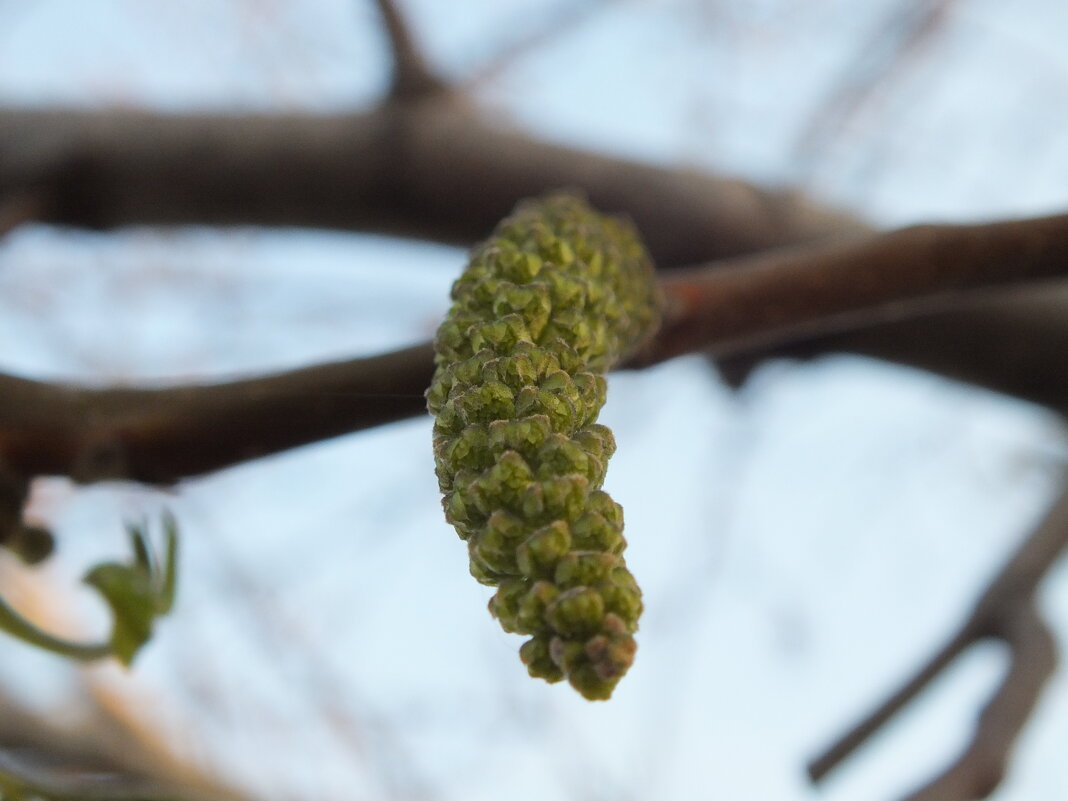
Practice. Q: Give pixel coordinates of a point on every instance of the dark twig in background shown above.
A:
(412, 77)
(424, 170)
(109, 761)
(1005, 612)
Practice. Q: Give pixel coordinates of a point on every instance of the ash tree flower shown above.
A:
(555, 297)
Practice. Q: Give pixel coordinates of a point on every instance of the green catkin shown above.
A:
(555, 297)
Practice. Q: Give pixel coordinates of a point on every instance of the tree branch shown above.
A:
(163, 435)
(797, 293)
(412, 77)
(159, 436)
(426, 170)
(1005, 611)
(430, 170)
(65, 756)
(979, 770)
(1012, 342)
(19, 208)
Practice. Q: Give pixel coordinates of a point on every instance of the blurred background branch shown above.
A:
(1005, 612)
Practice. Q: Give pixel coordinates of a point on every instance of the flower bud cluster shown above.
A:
(553, 299)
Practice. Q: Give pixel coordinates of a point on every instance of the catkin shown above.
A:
(554, 298)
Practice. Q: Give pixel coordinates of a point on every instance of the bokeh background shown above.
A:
(802, 542)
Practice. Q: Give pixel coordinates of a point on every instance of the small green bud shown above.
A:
(593, 389)
(597, 440)
(538, 554)
(500, 336)
(469, 450)
(560, 411)
(502, 486)
(515, 371)
(523, 435)
(534, 653)
(486, 403)
(591, 532)
(504, 605)
(560, 456)
(577, 613)
(585, 568)
(531, 612)
(565, 496)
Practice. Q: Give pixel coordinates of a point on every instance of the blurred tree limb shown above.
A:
(433, 170)
(43, 759)
(411, 78)
(429, 169)
(1004, 612)
(733, 308)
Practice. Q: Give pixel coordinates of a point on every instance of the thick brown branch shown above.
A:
(796, 293)
(1012, 342)
(1005, 612)
(19, 208)
(160, 436)
(427, 170)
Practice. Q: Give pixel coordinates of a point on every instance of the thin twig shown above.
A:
(978, 771)
(848, 743)
(412, 77)
(1005, 611)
